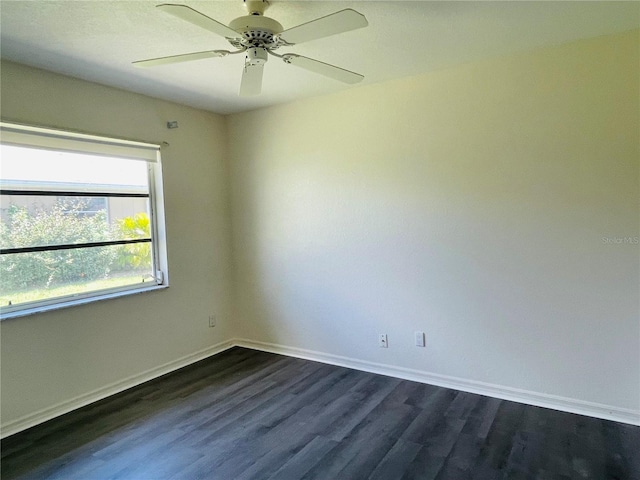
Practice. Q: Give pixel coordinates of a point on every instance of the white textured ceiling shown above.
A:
(97, 40)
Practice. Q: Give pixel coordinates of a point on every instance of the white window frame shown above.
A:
(60, 140)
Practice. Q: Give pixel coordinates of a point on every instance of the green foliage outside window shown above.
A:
(135, 255)
(62, 224)
(65, 223)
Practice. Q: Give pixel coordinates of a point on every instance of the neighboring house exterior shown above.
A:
(116, 207)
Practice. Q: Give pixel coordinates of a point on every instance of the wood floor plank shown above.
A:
(363, 448)
(395, 462)
(425, 466)
(623, 443)
(249, 415)
(422, 427)
(304, 460)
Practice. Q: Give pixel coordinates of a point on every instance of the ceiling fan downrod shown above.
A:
(256, 7)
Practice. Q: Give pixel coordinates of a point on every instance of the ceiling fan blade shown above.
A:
(321, 68)
(187, 57)
(339, 22)
(200, 19)
(251, 80)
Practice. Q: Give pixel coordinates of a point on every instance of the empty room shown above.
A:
(320, 240)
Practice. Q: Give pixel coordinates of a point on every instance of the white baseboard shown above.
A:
(61, 408)
(555, 402)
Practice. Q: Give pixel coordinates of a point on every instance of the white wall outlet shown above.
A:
(419, 339)
(382, 340)
(212, 321)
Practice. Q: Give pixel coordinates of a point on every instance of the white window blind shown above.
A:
(46, 138)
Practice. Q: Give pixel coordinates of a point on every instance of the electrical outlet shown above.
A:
(212, 321)
(382, 341)
(419, 339)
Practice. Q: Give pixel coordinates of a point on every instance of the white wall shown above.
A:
(469, 203)
(53, 358)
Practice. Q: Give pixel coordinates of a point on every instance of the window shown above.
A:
(81, 218)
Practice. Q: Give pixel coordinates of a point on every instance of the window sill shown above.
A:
(80, 301)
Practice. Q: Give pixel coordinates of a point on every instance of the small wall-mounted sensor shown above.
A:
(172, 124)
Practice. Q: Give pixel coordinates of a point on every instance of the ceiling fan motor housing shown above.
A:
(257, 31)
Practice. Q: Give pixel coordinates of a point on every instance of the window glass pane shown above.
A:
(32, 168)
(45, 205)
(29, 277)
(35, 220)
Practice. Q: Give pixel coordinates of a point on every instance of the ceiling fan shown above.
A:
(258, 37)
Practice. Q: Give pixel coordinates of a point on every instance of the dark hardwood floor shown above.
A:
(246, 414)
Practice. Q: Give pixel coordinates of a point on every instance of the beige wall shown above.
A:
(474, 204)
(51, 358)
